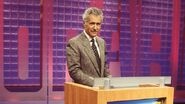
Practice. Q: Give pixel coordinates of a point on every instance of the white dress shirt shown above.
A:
(96, 44)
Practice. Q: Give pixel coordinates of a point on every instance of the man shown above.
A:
(86, 57)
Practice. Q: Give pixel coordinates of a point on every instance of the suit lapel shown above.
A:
(89, 51)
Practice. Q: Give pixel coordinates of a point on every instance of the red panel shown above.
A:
(135, 7)
(23, 43)
(175, 41)
(48, 35)
(70, 33)
(97, 3)
(1, 46)
(114, 42)
(156, 42)
(114, 68)
(1, 34)
(119, 26)
(132, 5)
(155, 69)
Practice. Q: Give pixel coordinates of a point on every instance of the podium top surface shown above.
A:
(100, 88)
(128, 82)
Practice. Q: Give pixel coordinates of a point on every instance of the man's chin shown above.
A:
(94, 35)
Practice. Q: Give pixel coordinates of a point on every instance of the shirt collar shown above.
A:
(88, 37)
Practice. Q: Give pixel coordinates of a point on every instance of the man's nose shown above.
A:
(95, 26)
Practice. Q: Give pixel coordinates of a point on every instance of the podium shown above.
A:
(80, 94)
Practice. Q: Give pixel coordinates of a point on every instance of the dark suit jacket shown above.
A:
(81, 60)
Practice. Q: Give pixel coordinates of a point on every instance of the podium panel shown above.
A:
(141, 101)
(80, 94)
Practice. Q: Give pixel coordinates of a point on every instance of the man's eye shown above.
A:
(92, 23)
(98, 24)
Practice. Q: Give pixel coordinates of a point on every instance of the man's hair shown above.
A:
(94, 11)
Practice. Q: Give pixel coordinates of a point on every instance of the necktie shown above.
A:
(96, 53)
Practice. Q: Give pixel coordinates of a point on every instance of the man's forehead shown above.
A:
(94, 18)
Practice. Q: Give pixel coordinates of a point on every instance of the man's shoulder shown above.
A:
(100, 39)
(75, 38)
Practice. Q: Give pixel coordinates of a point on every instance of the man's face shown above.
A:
(93, 26)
